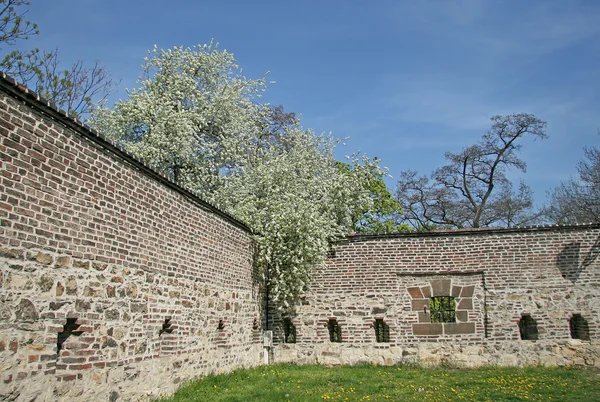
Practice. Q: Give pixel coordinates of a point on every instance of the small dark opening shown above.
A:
(442, 309)
(528, 328)
(289, 331)
(167, 327)
(255, 324)
(335, 332)
(221, 325)
(579, 328)
(70, 328)
(382, 331)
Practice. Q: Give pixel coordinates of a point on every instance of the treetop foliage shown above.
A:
(197, 119)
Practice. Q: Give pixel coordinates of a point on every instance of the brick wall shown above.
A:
(118, 285)
(494, 276)
(127, 274)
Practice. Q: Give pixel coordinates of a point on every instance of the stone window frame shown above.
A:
(421, 296)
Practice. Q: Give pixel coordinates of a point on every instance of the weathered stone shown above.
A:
(420, 304)
(467, 291)
(45, 283)
(5, 312)
(84, 264)
(82, 305)
(415, 292)
(26, 311)
(462, 316)
(138, 307)
(71, 286)
(19, 282)
(42, 258)
(427, 329)
(11, 253)
(441, 287)
(131, 291)
(60, 289)
(99, 266)
(117, 279)
(111, 314)
(465, 304)
(453, 328)
(56, 305)
(62, 261)
(424, 317)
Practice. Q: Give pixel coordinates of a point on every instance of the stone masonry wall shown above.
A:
(115, 284)
(495, 277)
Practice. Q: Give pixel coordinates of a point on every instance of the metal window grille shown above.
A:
(528, 328)
(335, 333)
(579, 328)
(382, 331)
(289, 331)
(442, 309)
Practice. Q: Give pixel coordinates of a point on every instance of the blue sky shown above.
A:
(405, 80)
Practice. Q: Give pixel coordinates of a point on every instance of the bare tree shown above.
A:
(75, 89)
(472, 190)
(578, 201)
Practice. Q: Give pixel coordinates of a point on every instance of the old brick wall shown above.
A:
(129, 275)
(495, 276)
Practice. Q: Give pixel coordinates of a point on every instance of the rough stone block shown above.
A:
(462, 316)
(426, 290)
(11, 253)
(453, 328)
(465, 304)
(62, 262)
(42, 258)
(26, 311)
(441, 287)
(424, 317)
(415, 292)
(427, 329)
(419, 304)
(467, 291)
(456, 291)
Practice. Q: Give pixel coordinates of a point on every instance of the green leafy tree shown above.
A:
(472, 190)
(385, 213)
(75, 89)
(197, 119)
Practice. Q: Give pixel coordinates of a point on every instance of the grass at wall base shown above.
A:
(287, 382)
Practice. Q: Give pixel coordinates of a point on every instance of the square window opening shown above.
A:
(442, 309)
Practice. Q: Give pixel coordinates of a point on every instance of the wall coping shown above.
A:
(48, 108)
(353, 237)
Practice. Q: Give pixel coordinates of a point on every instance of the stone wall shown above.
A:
(115, 283)
(495, 277)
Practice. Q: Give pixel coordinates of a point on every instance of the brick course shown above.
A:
(495, 276)
(118, 285)
(90, 234)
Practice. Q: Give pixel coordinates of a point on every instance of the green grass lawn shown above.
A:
(399, 383)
